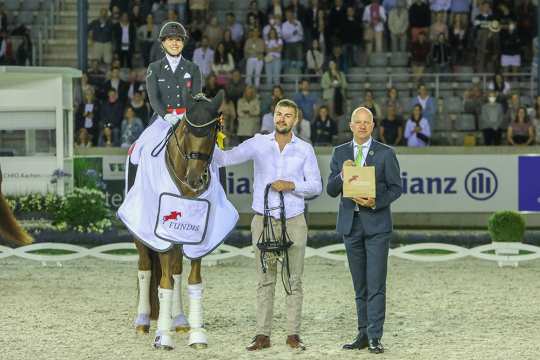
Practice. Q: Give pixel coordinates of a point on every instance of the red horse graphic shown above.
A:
(174, 215)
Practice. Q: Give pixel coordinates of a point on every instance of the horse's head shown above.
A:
(198, 131)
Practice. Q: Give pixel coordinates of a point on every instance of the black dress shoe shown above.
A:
(375, 346)
(361, 342)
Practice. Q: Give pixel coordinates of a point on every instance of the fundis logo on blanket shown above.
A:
(174, 225)
(172, 216)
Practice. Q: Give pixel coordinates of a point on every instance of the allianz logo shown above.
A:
(479, 184)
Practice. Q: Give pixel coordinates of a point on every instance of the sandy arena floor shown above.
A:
(466, 309)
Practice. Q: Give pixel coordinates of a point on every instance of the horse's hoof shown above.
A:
(163, 342)
(142, 329)
(199, 346)
(182, 329)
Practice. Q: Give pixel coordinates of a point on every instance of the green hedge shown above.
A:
(508, 226)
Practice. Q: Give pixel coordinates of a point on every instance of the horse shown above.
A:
(189, 148)
(10, 229)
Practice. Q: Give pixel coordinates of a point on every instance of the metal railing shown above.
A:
(47, 30)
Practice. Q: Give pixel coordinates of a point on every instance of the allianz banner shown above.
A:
(431, 183)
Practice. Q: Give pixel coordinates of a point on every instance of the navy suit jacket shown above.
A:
(388, 188)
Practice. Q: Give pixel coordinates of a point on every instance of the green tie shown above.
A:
(358, 160)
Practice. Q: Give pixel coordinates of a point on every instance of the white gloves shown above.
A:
(172, 118)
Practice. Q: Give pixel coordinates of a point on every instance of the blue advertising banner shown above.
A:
(529, 183)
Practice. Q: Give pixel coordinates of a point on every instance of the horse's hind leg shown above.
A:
(197, 334)
(163, 339)
(142, 322)
(180, 323)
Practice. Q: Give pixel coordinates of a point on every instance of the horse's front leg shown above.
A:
(142, 322)
(163, 339)
(180, 323)
(197, 334)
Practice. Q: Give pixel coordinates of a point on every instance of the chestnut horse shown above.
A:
(189, 150)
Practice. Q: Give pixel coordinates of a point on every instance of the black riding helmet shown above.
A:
(172, 29)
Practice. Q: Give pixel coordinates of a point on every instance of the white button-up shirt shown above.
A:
(204, 58)
(292, 32)
(296, 163)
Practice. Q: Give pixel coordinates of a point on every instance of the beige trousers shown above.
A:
(266, 282)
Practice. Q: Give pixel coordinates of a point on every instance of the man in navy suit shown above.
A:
(366, 225)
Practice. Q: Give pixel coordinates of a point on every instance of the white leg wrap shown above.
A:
(144, 292)
(179, 319)
(163, 334)
(197, 334)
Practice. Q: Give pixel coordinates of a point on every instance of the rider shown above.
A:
(169, 80)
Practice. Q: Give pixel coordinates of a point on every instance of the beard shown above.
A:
(283, 130)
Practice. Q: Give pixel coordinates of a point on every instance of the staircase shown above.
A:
(61, 49)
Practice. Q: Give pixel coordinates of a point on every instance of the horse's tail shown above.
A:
(9, 227)
(154, 283)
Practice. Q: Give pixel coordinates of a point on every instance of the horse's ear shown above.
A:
(218, 100)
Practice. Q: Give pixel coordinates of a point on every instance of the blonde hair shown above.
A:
(288, 103)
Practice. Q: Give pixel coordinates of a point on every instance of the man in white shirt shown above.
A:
(289, 164)
(203, 56)
(292, 33)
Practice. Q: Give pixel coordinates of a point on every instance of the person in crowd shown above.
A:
(147, 34)
(302, 129)
(391, 129)
(441, 55)
(236, 87)
(267, 102)
(419, 19)
(101, 37)
(324, 128)
(374, 19)
(417, 129)
(458, 37)
(521, 130)
(112, 113)
(199, 9)
(88, 116)
(211, 86)
(292, 33)
(491, 120)
(83, 139)
(254, 55)
(398, 24)
(249, 114)
(393, 99)
(272, 57)
(203, 57)
(140, 107)
(438, 27)
(420, 50)
(370, 104)
(213, 32)
(273, 23)
(267, 122)
(124, 39)
(223, 65)
(315, 59)
(334, 86)
(306, 101)
(117, 84)
(351, 39)
(510, 49)
(132, 127)
(228, 110)
(427, 102)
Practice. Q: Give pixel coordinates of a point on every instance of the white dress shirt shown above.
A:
(173, 61)
(204, 58)
(296, 163)
(292, 32)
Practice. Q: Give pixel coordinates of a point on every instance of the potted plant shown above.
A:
(506, 228)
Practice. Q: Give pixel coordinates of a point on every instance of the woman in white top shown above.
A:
(417, 130)
(223, 64)
(315, 59)
(272, 58)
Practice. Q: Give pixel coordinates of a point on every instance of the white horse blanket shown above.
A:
(157, 214)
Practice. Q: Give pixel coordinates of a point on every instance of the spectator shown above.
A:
(236, 87)
(417, 129)
(124, 37)
(147, 34)
(180, 7)
(458, 39)
(334, 86)
(160, 12)
(107, 138)
(398, 23)
(419, 19)
(276, 9)
(391, 129)
(512, 108)
(87, 116)
(253, 22)
(211, 87)
(100, 36)
(253, 11)
(237, 30)
(115, 15)
(394, 100)
(299, 10)
(306, 101)
(228, 110)
(119, 85)
(203, 57)
(429, 108)
(510, 49)
(111, 114)
(338, 57)
(267, 102)
(292, 33)
(438, 27)
(526, 25)
(311, 24)
(96, 78)
(23, 53)
(141, 108)
(83, 139)
(302, 128)
(440, 55)
(136, 17)
(272, 59)
(374, 23)
(254, 54)
(369, 103)
(273, 23)
(267, 124)
(231, 47)
(132, 127)
(491, 119)
(420, 50)
(315, 59)
(352, 38)
(473, 99)
(323, 128)
(521, 130)
(487, 38)
(501, 86)
(248, 109)
(214, 32)
(199, 9)
(133, 84)
(334, 22)
(223, 65)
